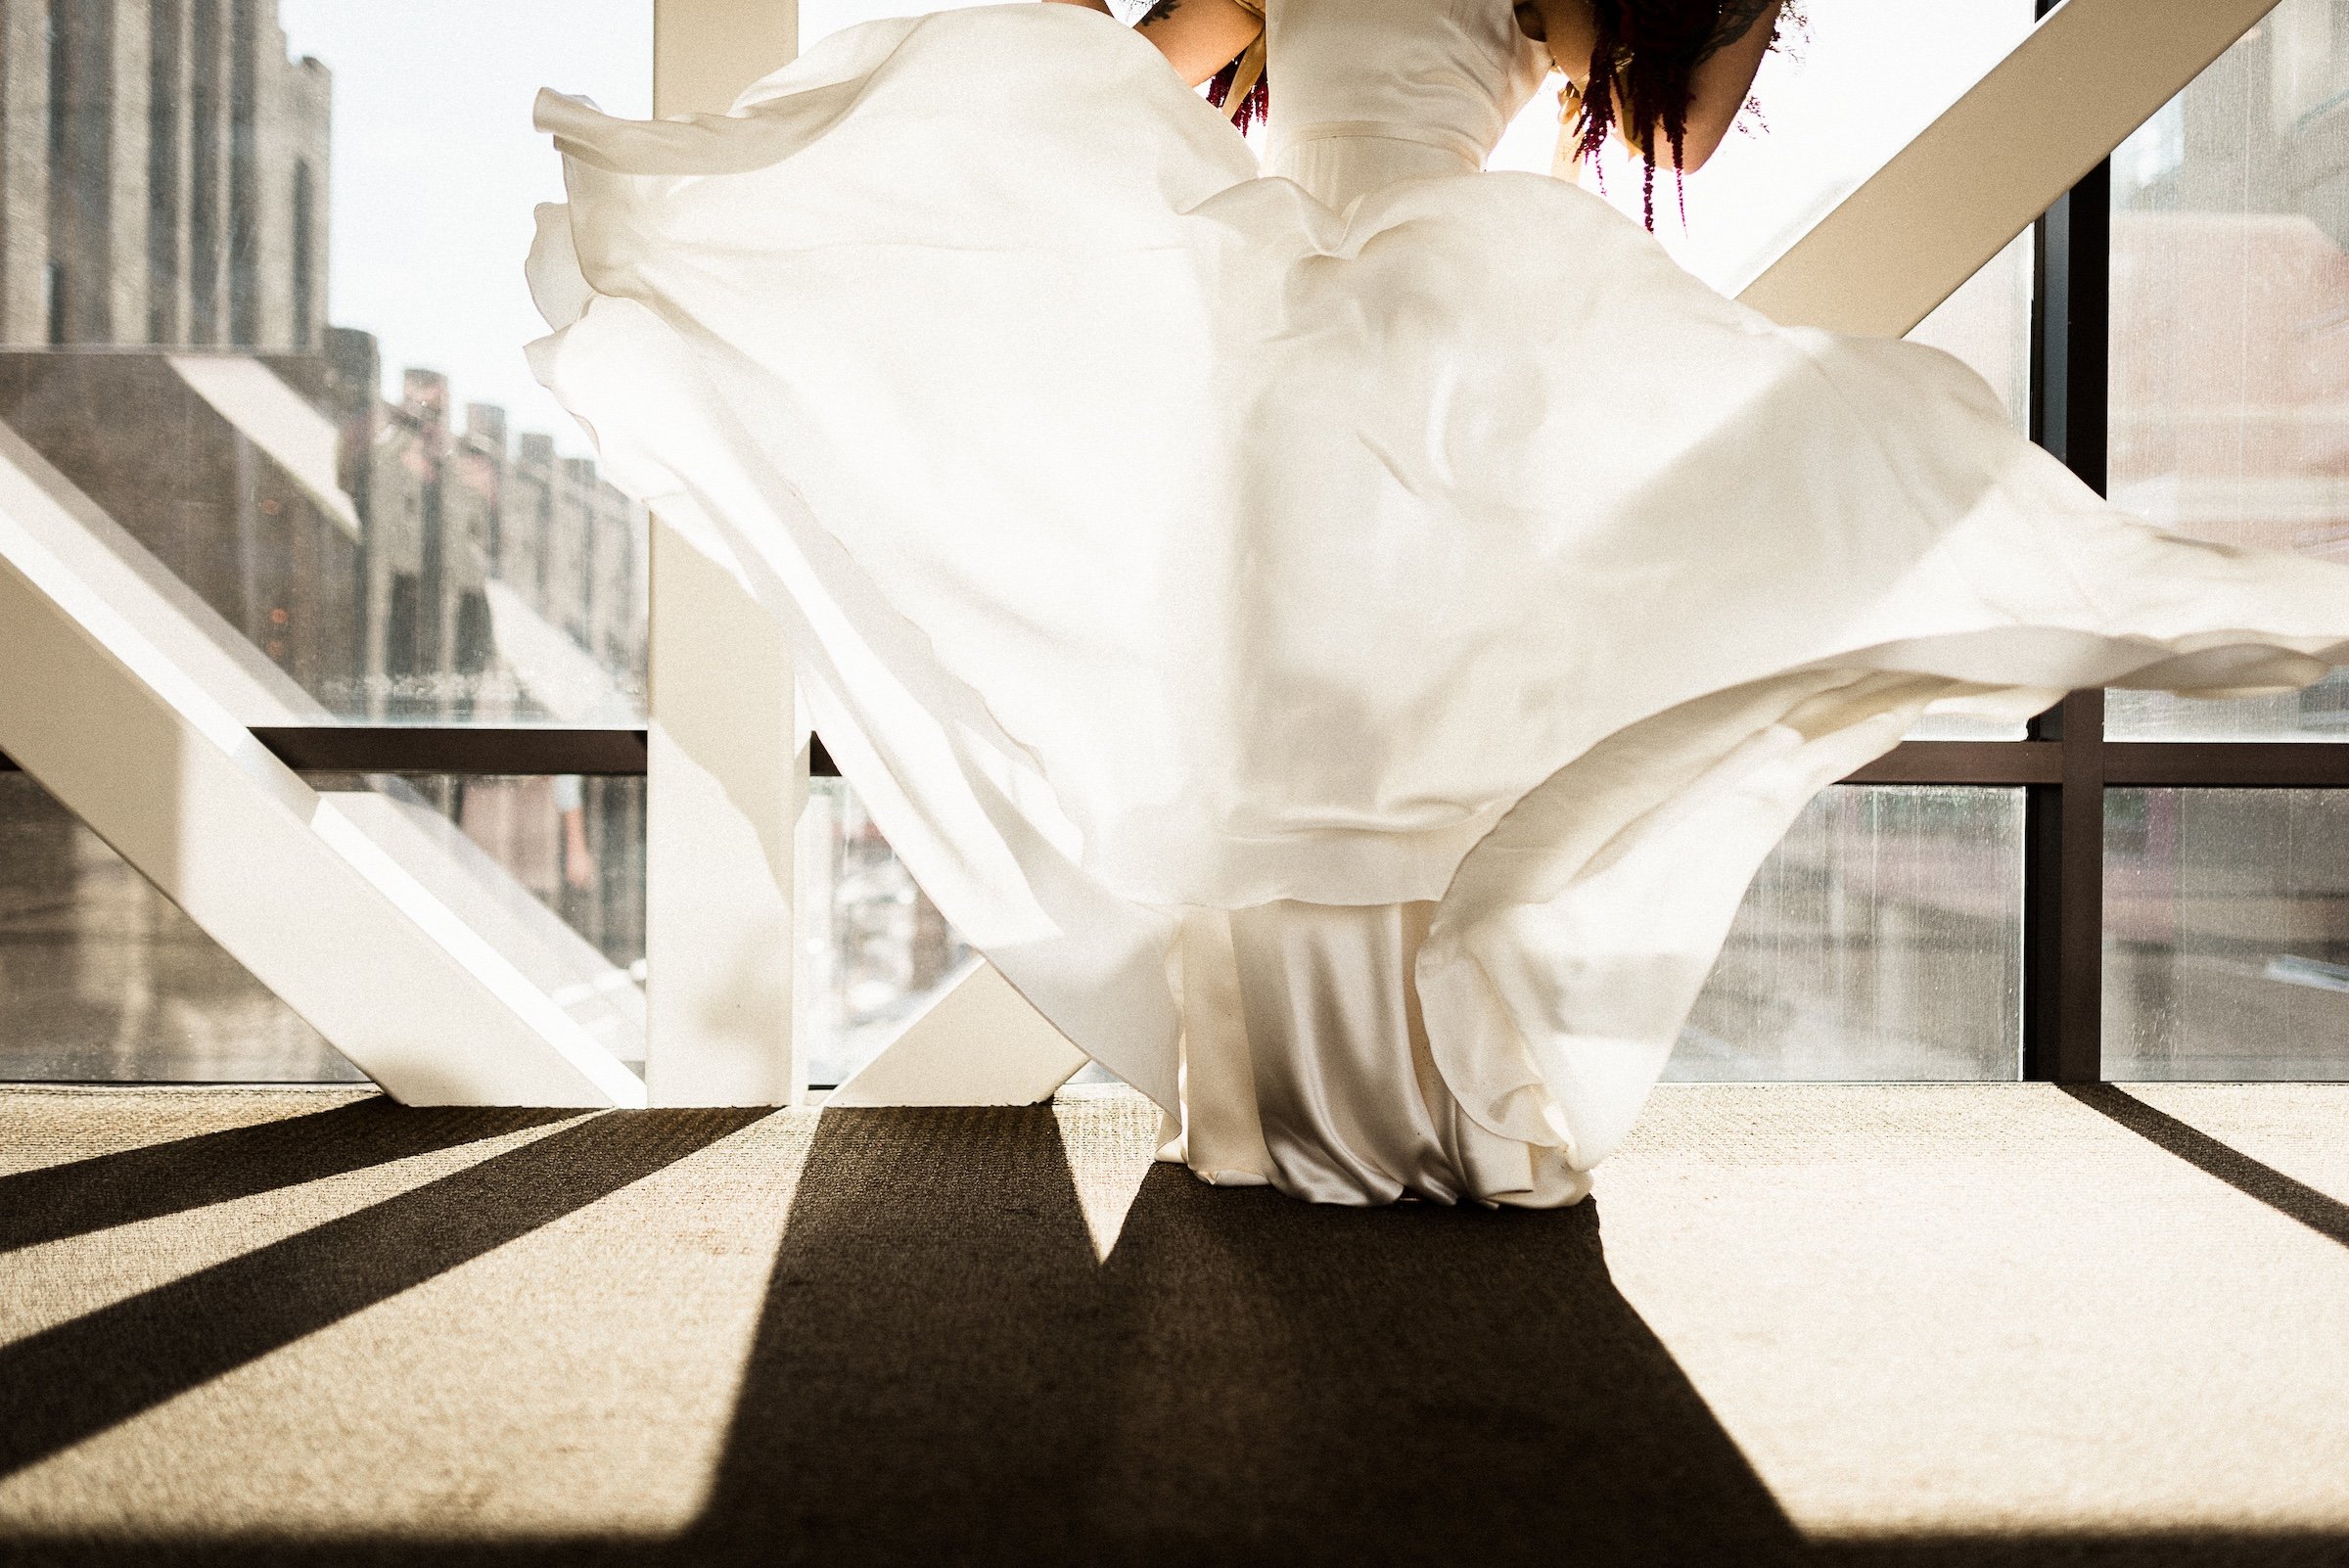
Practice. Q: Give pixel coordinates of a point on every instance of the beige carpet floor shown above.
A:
(1928, 1325)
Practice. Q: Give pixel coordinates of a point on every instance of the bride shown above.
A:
(1341, 635)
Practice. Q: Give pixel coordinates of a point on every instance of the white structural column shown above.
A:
(728, 777)
(2088, 76)
(728, 767)
(286, 881)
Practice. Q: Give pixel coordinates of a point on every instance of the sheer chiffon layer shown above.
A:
(1342, 663)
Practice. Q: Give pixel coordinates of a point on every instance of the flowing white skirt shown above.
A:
(1343, 667)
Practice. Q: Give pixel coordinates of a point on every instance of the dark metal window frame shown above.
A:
(2064, 766)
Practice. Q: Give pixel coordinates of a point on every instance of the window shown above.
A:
(339, 199)
(2227, 909)
(1882, 940)
(304, 283)
(2231, 334)
(2227, 915)
(280, 247)
(102, 979)
(296, 403)
(166, 64)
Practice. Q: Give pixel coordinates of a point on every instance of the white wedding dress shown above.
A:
(1341, 636)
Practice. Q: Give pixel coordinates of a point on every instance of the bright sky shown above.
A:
(436, 168)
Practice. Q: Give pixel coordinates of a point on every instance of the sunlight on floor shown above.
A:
(1918, 1311)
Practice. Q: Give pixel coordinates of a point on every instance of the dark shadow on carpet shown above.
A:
(82, 1196)
(927, 1380)
(946, 1374)
(2322, 1214)
(84, 1375)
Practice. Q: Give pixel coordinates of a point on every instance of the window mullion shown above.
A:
(2063, 834)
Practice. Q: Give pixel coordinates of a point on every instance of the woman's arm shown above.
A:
(1198, 37)
(1717, 88)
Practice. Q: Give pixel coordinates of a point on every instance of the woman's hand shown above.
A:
(1198, 37)
(1717, 87)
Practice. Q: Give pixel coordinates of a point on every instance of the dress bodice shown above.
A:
(1367, 92)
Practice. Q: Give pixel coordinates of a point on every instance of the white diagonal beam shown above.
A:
(2088, 76)
(979, 1042)
(198, 642)
(281, 877)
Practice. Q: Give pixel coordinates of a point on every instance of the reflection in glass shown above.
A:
(549, 870)
(1879, 942)
(267, 343)
(264, 348)
(103, 980)
(1883, 939)
(875, 951)
(2230, 394)
(2227, 934)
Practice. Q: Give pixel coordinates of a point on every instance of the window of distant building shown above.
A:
(164, 61)
(304, 200)
(203, 172)
(244, 181)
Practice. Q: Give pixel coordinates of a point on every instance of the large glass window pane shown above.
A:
(548, 869)
(1883, 939)
(103, 980)
(261, 304)
(2227, 934)
(875, 951)
(272, 372)
(2230, 394)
